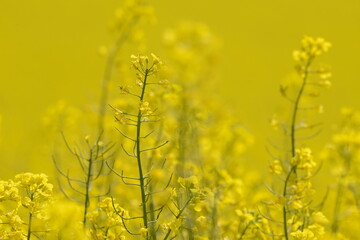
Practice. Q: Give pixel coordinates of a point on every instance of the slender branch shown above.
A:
(87, 188)
(293, 169)
(154, 148)
(296, 106)
(293, 139)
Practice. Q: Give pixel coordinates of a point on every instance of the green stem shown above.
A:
(293, 169)
(296, 107)
(244, 231)
(293, 138)
(30, 218)
(167, 234)
(106, 233)
(87, 193)
(152, 215)
(183, 138)
(138, 155)
(340, 188)
(335, 223)
(29, 226)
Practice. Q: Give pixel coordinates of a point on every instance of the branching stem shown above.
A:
(293, 139)
(138, 155)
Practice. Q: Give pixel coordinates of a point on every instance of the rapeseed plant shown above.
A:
(92, 165)
(145, 68)
(297, 164)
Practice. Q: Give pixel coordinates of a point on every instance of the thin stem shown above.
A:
(88, 183)
(293, 169)
(244, 231)
(110, 62)
(167, 234)
(335, 224)
(29, 227)
(296, 107)
(138, 156)
(152, 215)
(183, 137)
(152, 207)
(30, 220)
(293, 138)
(340, 189)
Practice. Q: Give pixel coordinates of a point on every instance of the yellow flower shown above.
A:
(156, 60)
(14, 220)
(325, 84)
(300, 56)
(144, 66)
(297, 204)
(275, 167)
(310, 48)
(306, 234)
(145, 108)
(318, 229)
(303, 160)
(143, 232)
(9, 191)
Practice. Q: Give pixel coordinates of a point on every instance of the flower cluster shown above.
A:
(145, 65)
(105, 222)
(31, 192)
(298, 218)
(303, 160)
(310, 48)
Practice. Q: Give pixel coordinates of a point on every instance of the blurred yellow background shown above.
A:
(49, 52)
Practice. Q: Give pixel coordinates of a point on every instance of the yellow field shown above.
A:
(191, 119)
